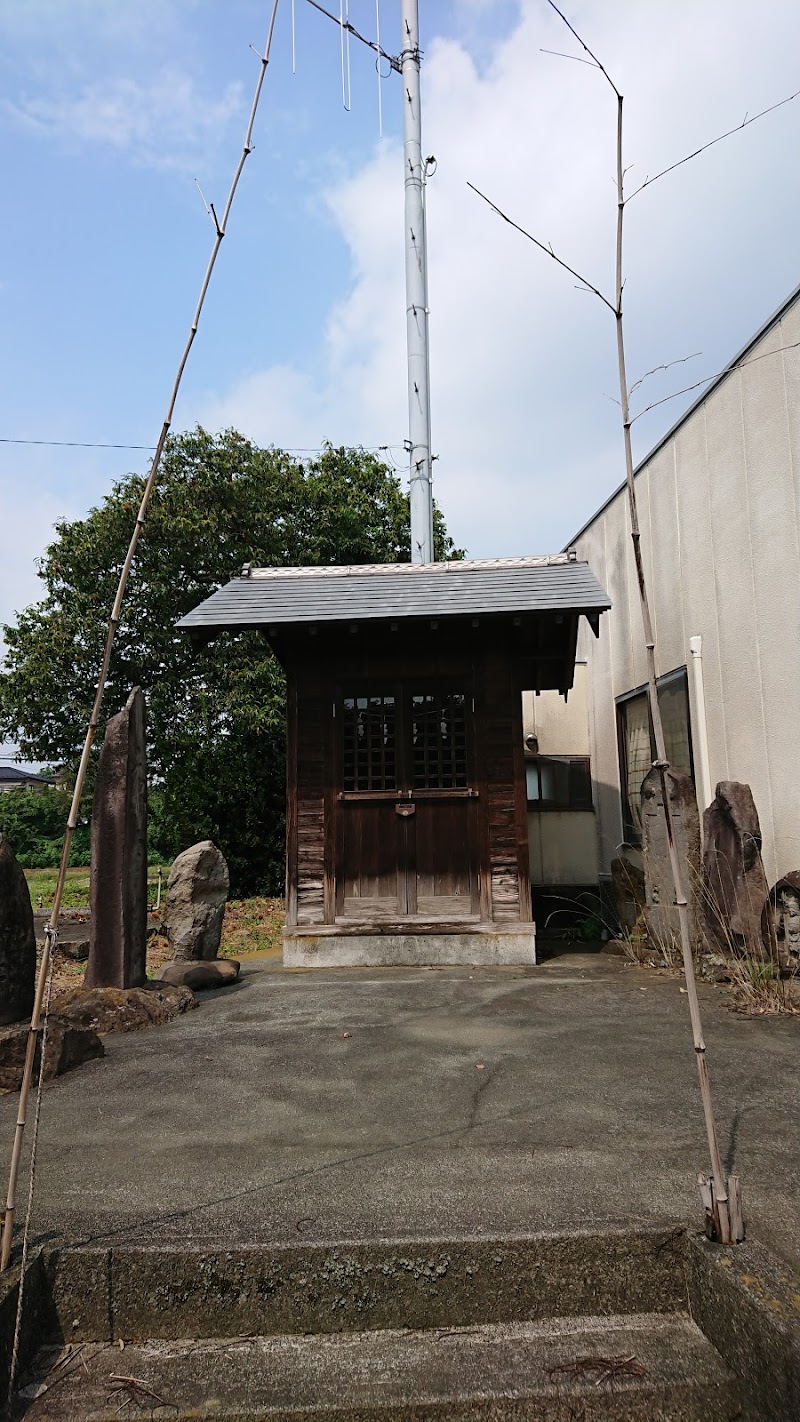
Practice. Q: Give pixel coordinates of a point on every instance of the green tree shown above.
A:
(34, 822)
(216, 717)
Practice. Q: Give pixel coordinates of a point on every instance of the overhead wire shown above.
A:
(96, 444)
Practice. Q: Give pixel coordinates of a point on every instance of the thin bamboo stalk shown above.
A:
(719, 1205)
(51, 933)
(714, 1192)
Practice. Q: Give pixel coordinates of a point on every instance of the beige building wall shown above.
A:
(562, 843)
(719, 509)
(561, 727)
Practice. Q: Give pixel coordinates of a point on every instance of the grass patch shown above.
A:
(252, 926)
(42, 885)
(249, 926)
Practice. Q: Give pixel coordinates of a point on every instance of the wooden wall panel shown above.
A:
(312, 737)
(497, 726)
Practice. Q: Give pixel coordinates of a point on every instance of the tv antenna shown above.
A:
(417, 171)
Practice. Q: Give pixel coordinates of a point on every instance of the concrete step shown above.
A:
(647, 1367)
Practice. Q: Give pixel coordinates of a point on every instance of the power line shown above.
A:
(75, 443)
(95, 444)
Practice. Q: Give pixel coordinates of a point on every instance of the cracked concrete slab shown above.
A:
(356, 1103)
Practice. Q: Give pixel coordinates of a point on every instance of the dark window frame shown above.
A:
(679, 676)
(404, 781)
(438, 762)
(578, 786)
(375, 762)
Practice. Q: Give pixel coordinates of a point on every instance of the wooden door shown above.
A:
(371, 857)
(407, 813)
(443, 874)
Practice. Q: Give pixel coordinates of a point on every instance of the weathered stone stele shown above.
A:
(195, 905)
(661, 913)
(17, 938)
(780, 921)
(118, 877)
(734, 883)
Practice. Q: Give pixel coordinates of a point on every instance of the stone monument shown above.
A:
(661, 913)
(734, 882)
(780, 922)
(17, 939)
(118, 878)
(197, 891)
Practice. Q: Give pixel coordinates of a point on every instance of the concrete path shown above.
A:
(355, 1103)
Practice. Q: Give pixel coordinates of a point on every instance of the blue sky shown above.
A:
(111, 109)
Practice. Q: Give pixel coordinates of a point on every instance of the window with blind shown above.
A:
(637, 748)
(559, 782)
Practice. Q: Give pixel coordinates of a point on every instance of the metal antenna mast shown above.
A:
(419, 388)
(416, 167)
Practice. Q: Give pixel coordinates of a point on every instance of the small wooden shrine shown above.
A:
(407, 838)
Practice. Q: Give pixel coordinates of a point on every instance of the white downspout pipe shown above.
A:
(705, 792)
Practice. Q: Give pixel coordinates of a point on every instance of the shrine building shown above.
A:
(406, 829)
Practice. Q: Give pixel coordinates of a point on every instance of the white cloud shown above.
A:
(528, 442)
(22, 519)
(165, 123)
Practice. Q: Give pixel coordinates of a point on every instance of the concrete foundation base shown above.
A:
(401, 950)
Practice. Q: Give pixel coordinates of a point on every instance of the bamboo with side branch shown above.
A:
(51, 931)
(721, 1196)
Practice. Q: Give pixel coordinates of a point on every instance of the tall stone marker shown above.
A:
(734, 883)
(118, 878)
(17, 939)
(196, 894)
(661, 913)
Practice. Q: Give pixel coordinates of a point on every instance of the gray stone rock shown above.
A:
(195, 904)
(734, 884)
(17, 939)
(75, 948)
(627, 881)
(211, 973)
(661, 914)
(124, 1009)
(118, 878)
(67, 1046)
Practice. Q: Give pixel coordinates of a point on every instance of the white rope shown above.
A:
(52, 934)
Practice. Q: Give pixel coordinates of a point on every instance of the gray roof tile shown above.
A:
(284, 596)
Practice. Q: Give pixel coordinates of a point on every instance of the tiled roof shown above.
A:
(284, 596)
(13, 775)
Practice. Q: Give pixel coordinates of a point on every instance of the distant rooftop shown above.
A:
(15, 775)
(284, 596)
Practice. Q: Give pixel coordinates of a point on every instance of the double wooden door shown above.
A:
(407, 805)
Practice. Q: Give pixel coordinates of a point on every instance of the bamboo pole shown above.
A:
(719, 1189)
(721, 1197)
(51, 932)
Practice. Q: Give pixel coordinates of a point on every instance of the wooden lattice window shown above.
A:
(369, 743)
(439, 741)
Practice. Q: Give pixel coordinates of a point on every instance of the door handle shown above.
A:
(405, 809)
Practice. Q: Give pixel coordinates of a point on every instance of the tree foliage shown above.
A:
(216, 718)
(34, 822)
